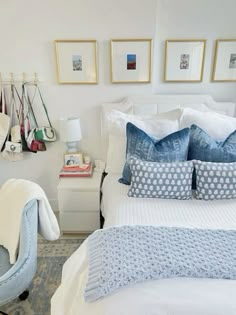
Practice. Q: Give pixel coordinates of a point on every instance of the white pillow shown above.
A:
(204, 108)
(158, 126)
(216, 125)
(116, 154)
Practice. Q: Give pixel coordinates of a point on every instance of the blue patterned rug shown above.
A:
(51, 257)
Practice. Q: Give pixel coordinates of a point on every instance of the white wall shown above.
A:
(27, 31)
(189, 19)
(29, 27)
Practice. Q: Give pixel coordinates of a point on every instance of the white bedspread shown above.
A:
(181, 296)
(14, 195)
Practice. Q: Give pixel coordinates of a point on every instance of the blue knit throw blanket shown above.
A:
(122, 256)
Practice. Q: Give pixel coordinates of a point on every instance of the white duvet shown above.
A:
(180, 296)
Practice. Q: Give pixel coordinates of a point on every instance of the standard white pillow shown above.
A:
(216, 125)
(158, 126)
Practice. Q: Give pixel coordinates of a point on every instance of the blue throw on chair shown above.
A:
(15, 279)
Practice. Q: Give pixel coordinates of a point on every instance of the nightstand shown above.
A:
(79, 203)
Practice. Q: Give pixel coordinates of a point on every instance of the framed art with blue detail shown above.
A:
(184, 60)
(224, 67)
(131, 60)
(76, 61)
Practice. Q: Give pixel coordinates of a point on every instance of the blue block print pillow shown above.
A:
(204, 148)
(161, 180)
(171, 148)
(215, 180)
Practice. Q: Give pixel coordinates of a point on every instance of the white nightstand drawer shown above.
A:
(74, 200)
(82, 222)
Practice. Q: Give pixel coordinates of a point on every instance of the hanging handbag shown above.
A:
(47, 134)
(15, 129)
(28, 133)
(33, 144)
(15, 133)
(13, 150)
(13, 146)
(4, 120)
(23, 120)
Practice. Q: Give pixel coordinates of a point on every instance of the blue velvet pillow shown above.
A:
(204, 148)
(173, 147)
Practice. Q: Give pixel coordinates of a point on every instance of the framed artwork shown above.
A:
(73, 159)
(76, 61)
(131, 60)
(224, 66)
(184, 60)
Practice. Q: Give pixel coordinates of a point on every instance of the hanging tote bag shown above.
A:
(4, 120)
(47, 134)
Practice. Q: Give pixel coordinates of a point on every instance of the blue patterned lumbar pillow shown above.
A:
(204, 148)
(173, 147)
(215, 180)
(161, 180)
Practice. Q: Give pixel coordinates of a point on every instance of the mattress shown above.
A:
(180, 296)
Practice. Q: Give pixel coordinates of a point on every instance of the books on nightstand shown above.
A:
(84, 170)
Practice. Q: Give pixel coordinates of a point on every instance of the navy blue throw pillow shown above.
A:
(205, 148)
(173, 147)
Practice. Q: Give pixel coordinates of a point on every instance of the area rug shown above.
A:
(51, 257)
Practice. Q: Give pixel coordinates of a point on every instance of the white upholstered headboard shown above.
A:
(154, 104)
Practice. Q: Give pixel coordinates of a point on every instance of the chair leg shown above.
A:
(23, 296)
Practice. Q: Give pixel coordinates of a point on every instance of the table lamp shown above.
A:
(70, 133)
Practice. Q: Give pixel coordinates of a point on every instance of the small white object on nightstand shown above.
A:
(79, 203)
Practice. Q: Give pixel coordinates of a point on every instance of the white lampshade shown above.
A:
(70, 133)
(70, 130)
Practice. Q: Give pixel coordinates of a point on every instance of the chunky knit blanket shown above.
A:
(122, 256)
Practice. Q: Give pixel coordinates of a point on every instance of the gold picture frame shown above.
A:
(184, 60)
(131, 60)
(76, 61)
(224, 65)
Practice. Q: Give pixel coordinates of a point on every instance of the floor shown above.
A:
(51, 257)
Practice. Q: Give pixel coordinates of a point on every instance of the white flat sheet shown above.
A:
(119, 209)
(181, 296)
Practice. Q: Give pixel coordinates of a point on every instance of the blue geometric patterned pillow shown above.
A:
(204, 148)
(161, 180)
(173, 147)
(215, 180)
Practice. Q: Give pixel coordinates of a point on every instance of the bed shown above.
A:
(166, 296)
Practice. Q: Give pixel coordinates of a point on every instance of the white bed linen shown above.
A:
(119, 209)
(181, 296)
